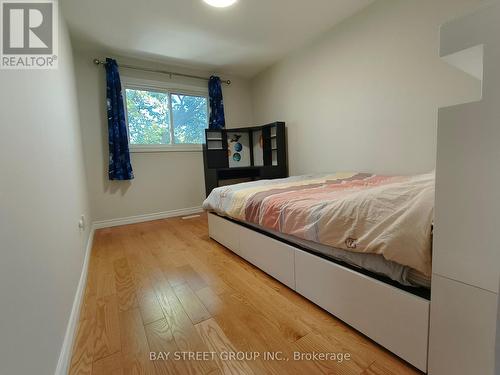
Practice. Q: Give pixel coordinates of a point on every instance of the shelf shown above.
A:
(218, 159)
(215, 144)
(237, 168)
(469, 60)
(237, 172)
(274, 143)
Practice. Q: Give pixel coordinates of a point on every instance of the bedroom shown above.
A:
(265, 187)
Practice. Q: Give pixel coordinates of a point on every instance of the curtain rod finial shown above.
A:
(228, 82)
(97, 61)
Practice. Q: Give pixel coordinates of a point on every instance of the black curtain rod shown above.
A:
(99, 62)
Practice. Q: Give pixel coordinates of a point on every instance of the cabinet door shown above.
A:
(466, 240)
(462, 329)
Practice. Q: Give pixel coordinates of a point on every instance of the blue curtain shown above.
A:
(217, 120)
(119, 156)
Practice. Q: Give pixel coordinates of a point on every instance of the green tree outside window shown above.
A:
(148, 115)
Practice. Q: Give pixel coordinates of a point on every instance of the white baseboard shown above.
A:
(65, 356)
(147, 217)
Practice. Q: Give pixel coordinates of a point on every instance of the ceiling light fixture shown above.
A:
(220, 3)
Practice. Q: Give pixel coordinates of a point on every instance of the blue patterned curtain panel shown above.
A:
(217, 120)
(119, 156)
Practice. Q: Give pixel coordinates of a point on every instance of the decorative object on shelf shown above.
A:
(238, 146)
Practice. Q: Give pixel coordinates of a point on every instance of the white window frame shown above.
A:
(167, 88)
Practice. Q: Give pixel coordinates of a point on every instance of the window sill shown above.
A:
(165, 148)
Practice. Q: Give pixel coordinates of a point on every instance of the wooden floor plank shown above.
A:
(89, 306)
(389, 368)
(165, 286)
(217, 342)
(254, 292)
(107, 329)
(160, 339)
(181, 327)
(286, 313)
(194, 280)
(105, 279)
(83, 350)
(149, 306)
(111, 365)
(210, 300)
(134, 344)
(146, 298)
(125, 288)
(313, 343)
(191, 303)
(249, 332)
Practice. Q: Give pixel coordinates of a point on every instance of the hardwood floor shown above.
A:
(165, 287)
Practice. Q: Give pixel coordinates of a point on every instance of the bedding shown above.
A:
(358, 212)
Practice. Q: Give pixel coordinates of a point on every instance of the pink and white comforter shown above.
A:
(387, 215)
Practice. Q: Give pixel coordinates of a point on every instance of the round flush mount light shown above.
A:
(220, 3)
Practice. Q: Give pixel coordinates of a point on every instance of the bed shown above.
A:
(357, 244)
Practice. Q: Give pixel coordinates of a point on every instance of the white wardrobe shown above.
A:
(466, 258)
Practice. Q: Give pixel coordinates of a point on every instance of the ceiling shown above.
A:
(242, 39)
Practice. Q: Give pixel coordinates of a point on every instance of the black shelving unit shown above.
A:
(271, 164)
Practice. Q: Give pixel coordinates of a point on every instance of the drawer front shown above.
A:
(394, 318)
(224, 232)
(273, 257)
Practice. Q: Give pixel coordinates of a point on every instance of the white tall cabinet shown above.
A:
(466, 258)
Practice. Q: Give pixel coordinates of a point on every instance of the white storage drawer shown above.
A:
(225, 232)
(394, 318)
(274, 257)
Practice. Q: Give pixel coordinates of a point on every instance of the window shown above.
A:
(162, 119)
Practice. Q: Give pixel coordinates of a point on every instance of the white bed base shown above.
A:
(392, 317)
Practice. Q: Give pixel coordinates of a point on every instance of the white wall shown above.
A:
(365, 95)
(164, 181)
(42, 195)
